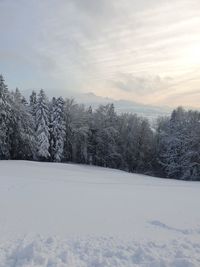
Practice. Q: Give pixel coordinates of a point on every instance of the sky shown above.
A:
(147, 51)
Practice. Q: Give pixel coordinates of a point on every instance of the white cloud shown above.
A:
(85, 44)
(142, 85)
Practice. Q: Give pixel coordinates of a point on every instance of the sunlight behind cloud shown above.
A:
(85, 46)
(193, 55)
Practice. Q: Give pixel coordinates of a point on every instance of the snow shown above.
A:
(74, 215)
(98, 252)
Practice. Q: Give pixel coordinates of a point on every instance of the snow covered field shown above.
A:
(82, 216)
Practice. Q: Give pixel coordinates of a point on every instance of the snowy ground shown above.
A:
(73, 215)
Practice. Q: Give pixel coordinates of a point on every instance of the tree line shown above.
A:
(59, 130)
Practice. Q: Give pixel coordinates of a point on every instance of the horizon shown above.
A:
(146, 52)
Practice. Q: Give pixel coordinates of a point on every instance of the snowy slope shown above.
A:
(74, 215)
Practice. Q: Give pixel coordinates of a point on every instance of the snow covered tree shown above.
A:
(32, 104)
(66, 131)
(57, 129)
(107, 136)
(135, 143)
(23, 135)
(191, 142)
(5, 120)
(42, 126)
(144, 147)
(77, 132)
(178, 145)
(170, 143)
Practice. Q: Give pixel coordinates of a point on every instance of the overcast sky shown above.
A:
(142, 50)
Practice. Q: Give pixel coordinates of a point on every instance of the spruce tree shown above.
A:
(23, 136)
(57, 129)
(42, 126)
(5, 120)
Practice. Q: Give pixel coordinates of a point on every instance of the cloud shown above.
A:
(84, 44)
(95, 8)
(142, 85)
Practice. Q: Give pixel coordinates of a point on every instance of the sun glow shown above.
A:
(193, 54)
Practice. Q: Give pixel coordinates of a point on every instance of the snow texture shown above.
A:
(93, 251)
(71, 215)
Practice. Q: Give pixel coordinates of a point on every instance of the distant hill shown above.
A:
(122, 106)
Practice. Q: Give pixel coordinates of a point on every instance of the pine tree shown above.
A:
(191, 156)
(176, 151)
(23, 136)
(57, 129)
(42, 126)
(32, 104)
(5, 120)
(170, 147)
